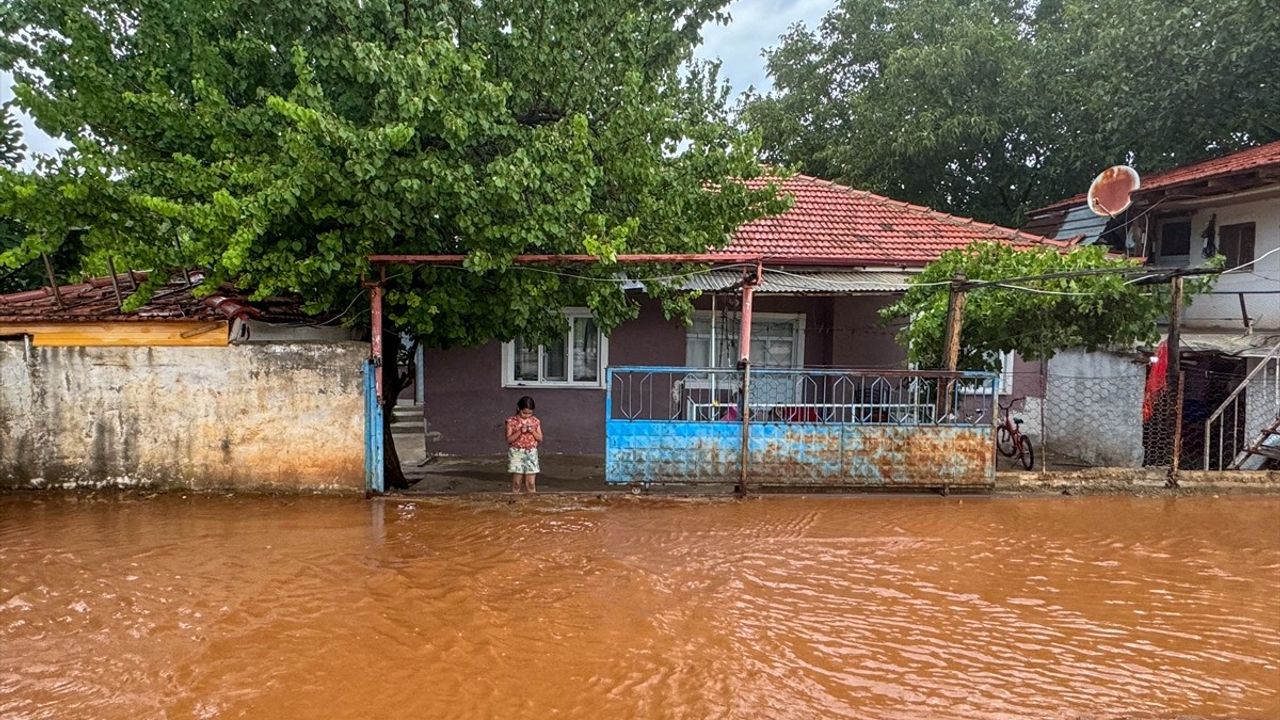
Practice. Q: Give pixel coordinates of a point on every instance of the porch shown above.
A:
(468, 392)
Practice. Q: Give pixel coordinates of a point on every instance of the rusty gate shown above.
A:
(800, 427)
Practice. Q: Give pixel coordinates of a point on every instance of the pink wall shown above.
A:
(859, 338)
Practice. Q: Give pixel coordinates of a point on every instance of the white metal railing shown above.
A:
(1252, 407)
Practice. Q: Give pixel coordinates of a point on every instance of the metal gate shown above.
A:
(802, 427)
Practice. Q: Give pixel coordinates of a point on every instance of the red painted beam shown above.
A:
(774, 260)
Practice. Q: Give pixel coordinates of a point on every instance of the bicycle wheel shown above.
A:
(1026, 454)
(1004, 442)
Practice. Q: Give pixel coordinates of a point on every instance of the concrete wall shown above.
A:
(1223, 311)
(466, 403)
(263, 416)
(1092, 410)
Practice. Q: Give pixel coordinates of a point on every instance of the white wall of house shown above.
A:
(1091, 411)
(1223, 310)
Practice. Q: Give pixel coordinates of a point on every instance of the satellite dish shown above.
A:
(1111, 193)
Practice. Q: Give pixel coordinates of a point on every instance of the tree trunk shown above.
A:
(392, 384)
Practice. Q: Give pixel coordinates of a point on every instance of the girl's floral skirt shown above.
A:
(522, 461)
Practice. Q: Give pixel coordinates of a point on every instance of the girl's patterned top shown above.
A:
(524, 441)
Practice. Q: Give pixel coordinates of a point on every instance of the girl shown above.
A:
(524, 432)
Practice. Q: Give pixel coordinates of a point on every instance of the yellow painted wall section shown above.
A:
(122, 334)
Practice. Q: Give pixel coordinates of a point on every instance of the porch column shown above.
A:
(375, 341)
(744, 363)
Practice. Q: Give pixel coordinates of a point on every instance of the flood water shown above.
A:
(896, 607)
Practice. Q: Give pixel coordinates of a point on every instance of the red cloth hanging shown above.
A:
(1157, 378)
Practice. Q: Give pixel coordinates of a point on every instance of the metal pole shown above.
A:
(744, 363)
(375, 342)
(1172, 480)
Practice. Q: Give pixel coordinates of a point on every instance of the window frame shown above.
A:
(1004, 378)
(1164, 259)
(1238, 228)
(509, 379)
(797, 335)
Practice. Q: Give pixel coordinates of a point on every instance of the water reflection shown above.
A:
(777, 608)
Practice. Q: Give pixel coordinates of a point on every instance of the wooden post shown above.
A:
(115, 283)
(1175, 331)
(951, 342)
(53, 281)
(1175, 461)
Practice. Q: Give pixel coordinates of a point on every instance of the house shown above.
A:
(831, 263)
(194, 392)
(1230, 337)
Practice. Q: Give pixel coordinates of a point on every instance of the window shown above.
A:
(1004, 381)
(1175, 238)
(1236, 243)
(576, 360)
(777, 340)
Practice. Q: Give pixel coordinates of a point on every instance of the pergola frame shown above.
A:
(749, 281)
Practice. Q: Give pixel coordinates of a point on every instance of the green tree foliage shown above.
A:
(278, 144)
(1034, 318)
(12, 152)
(989, 108)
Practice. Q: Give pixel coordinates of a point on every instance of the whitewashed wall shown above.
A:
(263, 416)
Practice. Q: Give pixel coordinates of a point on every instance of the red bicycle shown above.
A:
(1009, 438)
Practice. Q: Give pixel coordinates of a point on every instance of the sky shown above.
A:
(756, 25)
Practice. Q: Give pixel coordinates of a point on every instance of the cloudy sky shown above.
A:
(756, 25)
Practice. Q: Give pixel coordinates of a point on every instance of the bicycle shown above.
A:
(1010, 441)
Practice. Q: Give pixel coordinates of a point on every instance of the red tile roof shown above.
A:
(1255, 158)
(831, 224)
(95, 301)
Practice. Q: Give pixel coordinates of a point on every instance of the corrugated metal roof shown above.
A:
(806, 283)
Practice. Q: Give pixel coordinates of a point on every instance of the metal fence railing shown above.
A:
(799, 427)
(823, 396)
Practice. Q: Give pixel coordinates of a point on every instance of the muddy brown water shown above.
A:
(899, 607)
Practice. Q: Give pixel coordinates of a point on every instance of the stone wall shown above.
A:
(286, 416)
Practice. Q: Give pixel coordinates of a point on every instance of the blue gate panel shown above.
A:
(653, 451)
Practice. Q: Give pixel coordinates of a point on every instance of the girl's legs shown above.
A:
(530, 482)
(515, 482)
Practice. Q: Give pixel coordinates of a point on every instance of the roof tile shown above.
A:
(831, 222)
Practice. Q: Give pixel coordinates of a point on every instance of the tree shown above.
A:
(12, 149)
(1094, 309)
(276, 145)
(989, 108)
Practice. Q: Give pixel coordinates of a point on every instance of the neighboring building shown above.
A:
(834, 260)
(209, 392)
(1180, 218)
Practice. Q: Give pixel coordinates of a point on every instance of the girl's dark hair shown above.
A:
(525, 403)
